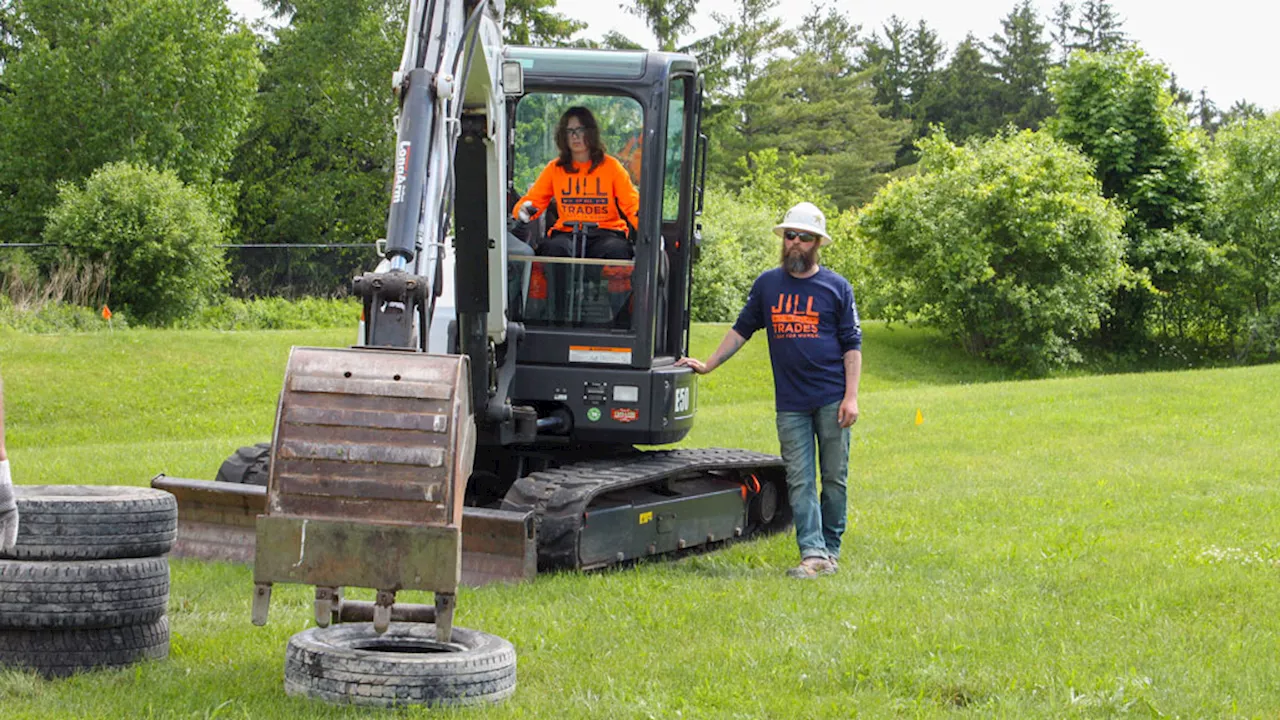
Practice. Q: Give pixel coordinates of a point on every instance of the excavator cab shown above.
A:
(595, 355)
(577, 291)
(602, 336)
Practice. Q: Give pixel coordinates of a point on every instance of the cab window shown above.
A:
(675, 151)
(621, 121)
(578, 290)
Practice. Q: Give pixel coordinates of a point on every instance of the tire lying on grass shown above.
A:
(351, 664)
(83, 594)
(58, 652)
(88, 522)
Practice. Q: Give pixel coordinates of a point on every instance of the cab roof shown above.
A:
(590, 63)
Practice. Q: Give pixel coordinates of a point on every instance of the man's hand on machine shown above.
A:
(526, 211)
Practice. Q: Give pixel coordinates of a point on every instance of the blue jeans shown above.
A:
(819, 523)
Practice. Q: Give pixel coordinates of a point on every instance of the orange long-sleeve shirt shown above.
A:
(586, 197)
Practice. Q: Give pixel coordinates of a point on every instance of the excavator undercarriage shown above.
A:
(579, 515)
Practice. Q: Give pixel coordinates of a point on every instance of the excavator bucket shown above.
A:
(369, 462)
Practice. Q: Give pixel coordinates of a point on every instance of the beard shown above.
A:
(799, 261)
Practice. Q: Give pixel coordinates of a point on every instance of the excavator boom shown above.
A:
(373, 446)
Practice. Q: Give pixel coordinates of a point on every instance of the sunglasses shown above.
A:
(576, 131)
(801, 236)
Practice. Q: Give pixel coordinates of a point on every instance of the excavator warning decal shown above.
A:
(646, 517)
(625, 415)
(606, 355)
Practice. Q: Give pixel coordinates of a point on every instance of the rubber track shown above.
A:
(560, 496)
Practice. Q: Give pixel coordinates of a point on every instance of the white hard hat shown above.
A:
(805, 217)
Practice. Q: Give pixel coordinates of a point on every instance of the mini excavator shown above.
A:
(489, 422)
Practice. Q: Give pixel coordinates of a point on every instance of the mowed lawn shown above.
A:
(1075, 547)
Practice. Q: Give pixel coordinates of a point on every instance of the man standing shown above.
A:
(815, 345)
(8, 505)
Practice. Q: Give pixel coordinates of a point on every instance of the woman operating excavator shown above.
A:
(588, 186)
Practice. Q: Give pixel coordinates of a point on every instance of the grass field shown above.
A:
(1077, 547)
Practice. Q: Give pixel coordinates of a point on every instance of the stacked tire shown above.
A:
(87, 585)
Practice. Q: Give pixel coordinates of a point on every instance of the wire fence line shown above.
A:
(278, 246)
(270, 269)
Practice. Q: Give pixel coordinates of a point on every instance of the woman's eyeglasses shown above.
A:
(801, 236)
(576, 131)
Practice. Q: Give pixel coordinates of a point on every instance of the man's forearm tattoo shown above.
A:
(727, 348)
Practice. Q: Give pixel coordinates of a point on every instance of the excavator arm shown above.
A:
(450, 77)
(451, 166)
(373, 445)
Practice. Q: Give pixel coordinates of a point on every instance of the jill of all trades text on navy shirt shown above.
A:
(812, 322)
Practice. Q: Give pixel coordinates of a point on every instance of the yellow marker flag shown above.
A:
(919, 417)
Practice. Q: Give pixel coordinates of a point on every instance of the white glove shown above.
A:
(526, 211)
(8, 510)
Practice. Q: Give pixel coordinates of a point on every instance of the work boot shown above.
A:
(812, 567)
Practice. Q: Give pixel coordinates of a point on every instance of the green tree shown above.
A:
(925, 58)
(167, 83)
(888, 57)
(1245, 220)
(314, 165)
(737, 245)
(966, 99)
(750, 39)
(1242, 111)
(905, 69)
(535, 22)
(1182, 97)
(826, 115)
(524, 22)
(158, 239)
(1060, 29)
(776, 182)
(1099, 28)
(9, 44)
(732, 59)
(667, 19)
(829, 34)
(1020, 56)
(1115, 107)
(1205, 114)
(1005, 243)
(613, 40)
(1117, 110)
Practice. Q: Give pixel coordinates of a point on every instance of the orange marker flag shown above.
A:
(106, 313)
(919, 417)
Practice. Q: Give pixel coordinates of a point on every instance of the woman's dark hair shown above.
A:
(591, 137)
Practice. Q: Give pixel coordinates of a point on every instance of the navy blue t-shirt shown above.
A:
(812, 323)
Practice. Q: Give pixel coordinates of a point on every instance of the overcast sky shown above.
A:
(1228, 47)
